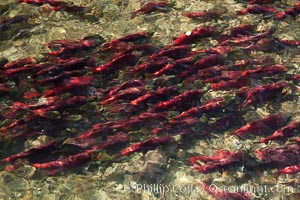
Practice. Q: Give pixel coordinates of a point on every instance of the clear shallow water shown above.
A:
(119, 178)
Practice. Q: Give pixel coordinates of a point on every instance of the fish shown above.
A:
(129, 95)
(261, 93)
(142, 35)
(179, 100)
(41, 2)
(191, 37)
(69, 65)
(220, 158)
(151, 7)
(260, 2)
(244, 39)
(62, 104)
(6, 23)
(176, 65)
(19, 63)
(222, 124)
(117, 63)
(174, 52)
(290, 42)
(257, 9)
(28, 152)
(208, 72)
(68, 8)
(69, 47)
(290, 169)
(153, 66)
(230, 84)
(279, 157)
(61, 76)
(4, 88)
(242, 64)
(56, 5)
(263, 71)
(33, 68)
(153, 95)
(126, 94)
(283, 132)
(207, 15)
(293, 12)
(17, 122)
(221, 50)
(208, 106)
(148, 144)
(55, 166)
(242, 29)
(207, 61)
(262, 125)
(72, 83)
(114, 90)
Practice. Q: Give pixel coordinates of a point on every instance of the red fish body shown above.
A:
(82, 45)
(263, 71)
(291, 42)
(146, 145)
(290, 170)
(191, 37)
(179, 100)
(128, 38)
(153, 66)
(244, 39)
(209, 106)
(208, 61)
(172, 67)
(23, 69)
(151, 7)
(230, 84)
(202, 15)
(157, 94)
(243, 29)
(19, 63)
(262, 125)
(56, 5)
(69, 65)
(293, 12)
(222, 123)
(116, 63)
(76, 160)
(258, 9)
(219, 159)
(60, 77)
(222, 49)
(68, 8)
(260, 2)
(41, 2)
(113, 91)
(126, 94)
(261, 93)
(71, 102)
(280, 157)
(175, 52)
(241, 64)
(283, 132)
(73, 83)
(27, 152)
(211, 71)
